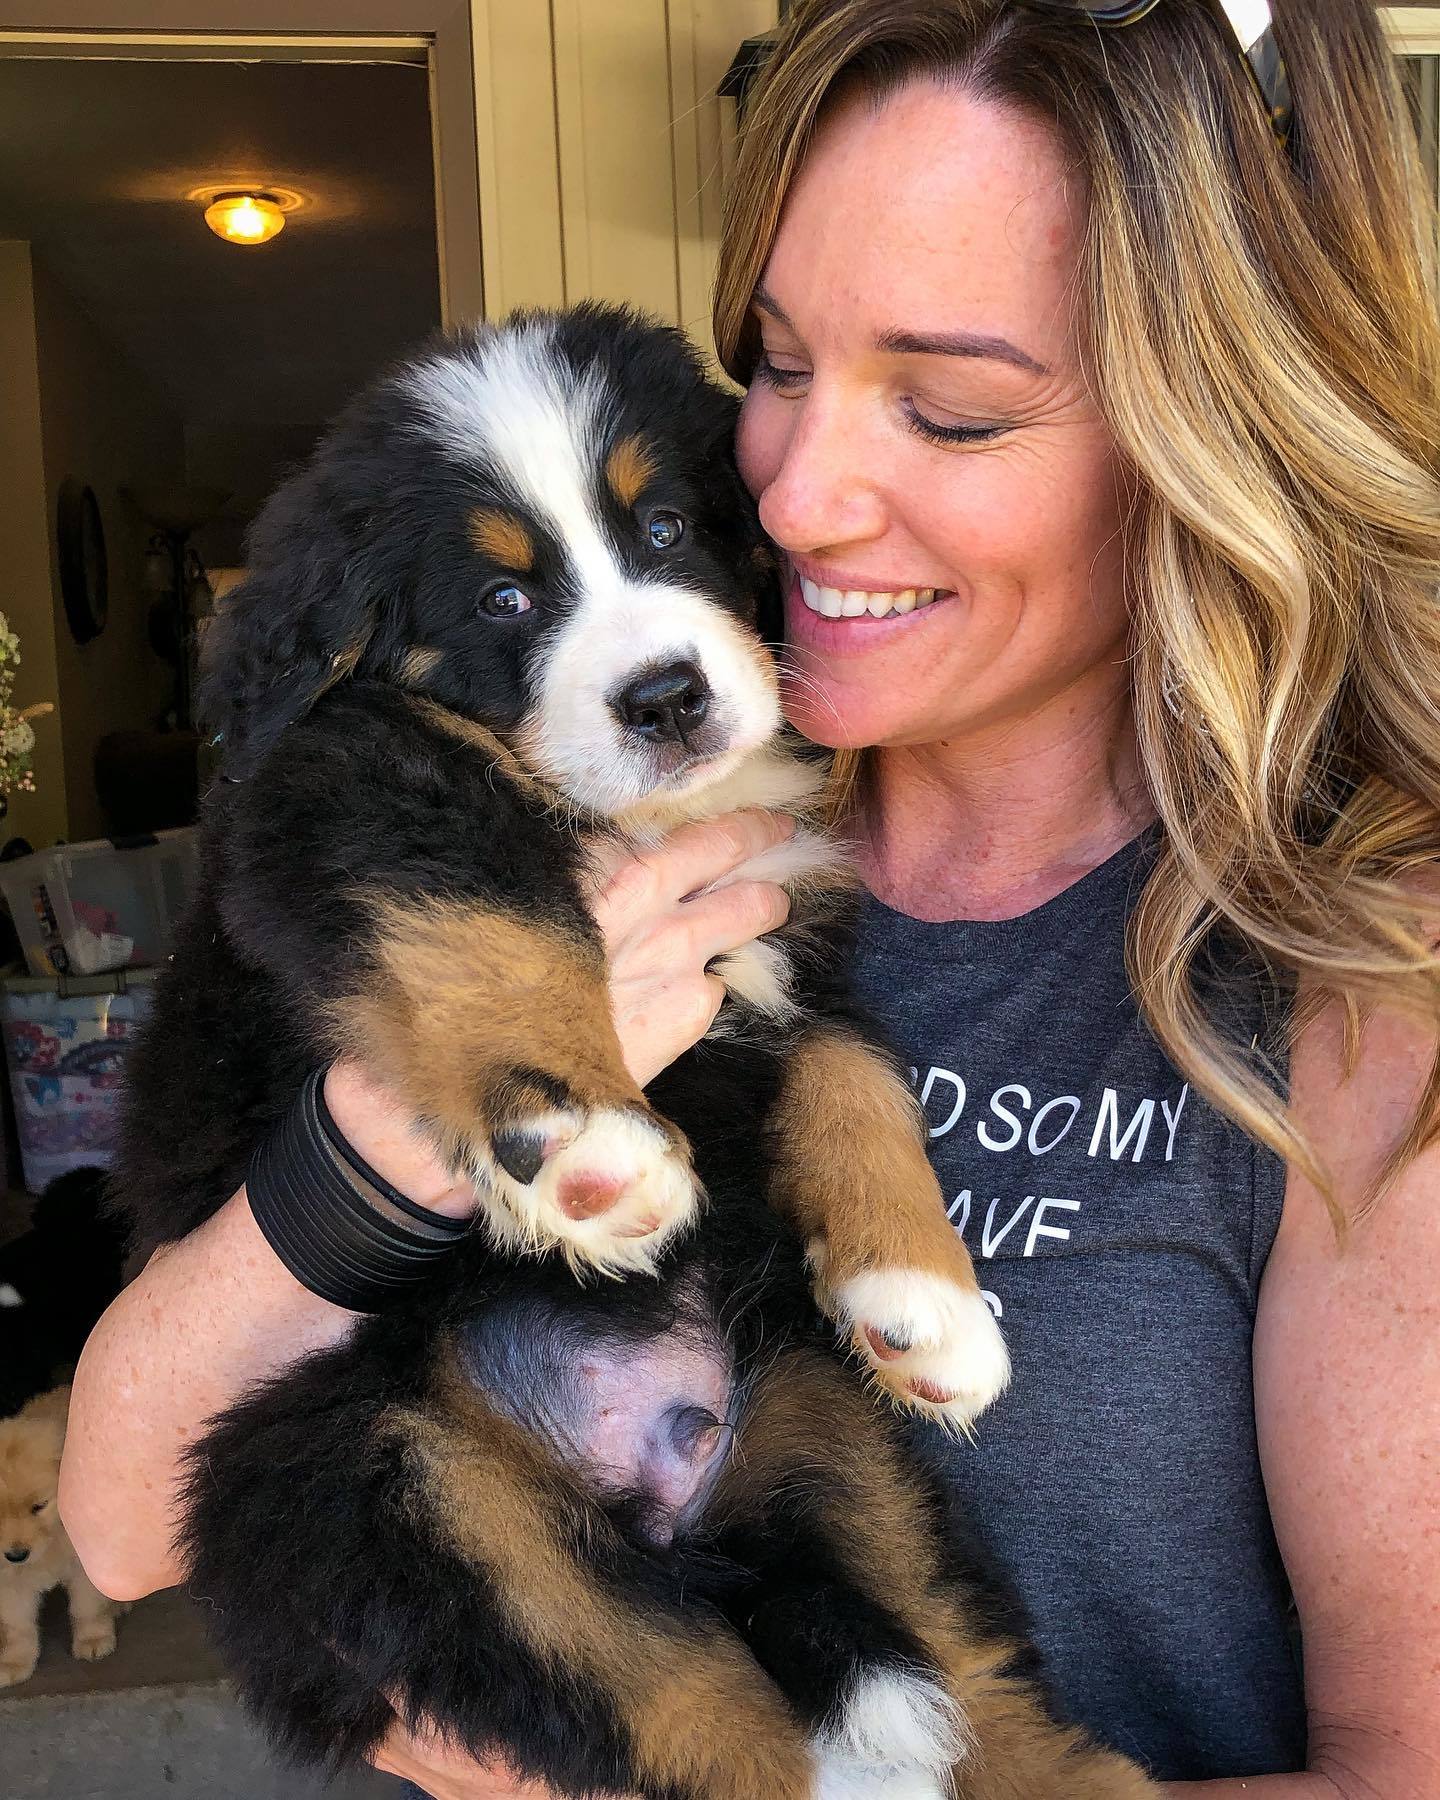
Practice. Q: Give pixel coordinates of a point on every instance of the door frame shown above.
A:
(435, 32)
(1412, 30)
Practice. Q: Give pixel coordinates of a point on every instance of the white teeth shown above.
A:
(855, 603)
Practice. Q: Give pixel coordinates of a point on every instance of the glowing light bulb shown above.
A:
(245, 218)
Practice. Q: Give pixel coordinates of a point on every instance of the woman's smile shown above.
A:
(823, 613)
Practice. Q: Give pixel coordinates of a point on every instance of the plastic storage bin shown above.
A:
(65, 1047)
(82, 909)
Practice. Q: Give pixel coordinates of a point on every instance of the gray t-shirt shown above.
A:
(1120, 1227)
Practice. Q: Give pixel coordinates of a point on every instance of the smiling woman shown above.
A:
(1092, 367)
(894, 453)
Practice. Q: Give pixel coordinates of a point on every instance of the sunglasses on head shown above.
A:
(1251, 25)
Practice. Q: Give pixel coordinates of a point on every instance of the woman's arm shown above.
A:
(205, 1318)
(216, 1312)
(1347, 1382)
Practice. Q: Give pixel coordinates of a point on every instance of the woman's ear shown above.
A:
(299, 624)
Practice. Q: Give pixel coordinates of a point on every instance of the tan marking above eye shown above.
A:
(503, 538)
(418, 662)
(630, 468)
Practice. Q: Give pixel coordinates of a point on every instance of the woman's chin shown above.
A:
(817, 716)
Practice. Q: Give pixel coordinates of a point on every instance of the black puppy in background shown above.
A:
(647, 1534)
(55, 1281)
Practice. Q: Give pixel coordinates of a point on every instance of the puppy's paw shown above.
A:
(930, 1343)
(608, 1187)
(15, 1668)
(94, 1639)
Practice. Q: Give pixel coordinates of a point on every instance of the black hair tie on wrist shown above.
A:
(340, 1229)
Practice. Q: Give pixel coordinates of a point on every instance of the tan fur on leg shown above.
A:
(889, 1266)
(804, 1413)
(486, 1022)
(701, 1715)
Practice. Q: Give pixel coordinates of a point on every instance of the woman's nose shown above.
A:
(824, 493)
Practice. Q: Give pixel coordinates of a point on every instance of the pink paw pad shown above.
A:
(585, 1195)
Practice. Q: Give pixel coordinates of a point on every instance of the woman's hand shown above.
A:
(448, 1774)
(664, 921)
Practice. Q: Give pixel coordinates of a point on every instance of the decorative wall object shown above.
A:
(84, 575)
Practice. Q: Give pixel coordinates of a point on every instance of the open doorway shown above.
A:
(175, 374)
(158, 380)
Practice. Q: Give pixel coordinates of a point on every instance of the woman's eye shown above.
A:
(950, 434)
(773, 375)
(665, 530)
(505, 601)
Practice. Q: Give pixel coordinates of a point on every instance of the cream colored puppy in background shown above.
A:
(35, 1554)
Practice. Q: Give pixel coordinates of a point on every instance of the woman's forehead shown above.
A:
(934, 210)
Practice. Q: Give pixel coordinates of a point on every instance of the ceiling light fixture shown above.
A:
(245, 217)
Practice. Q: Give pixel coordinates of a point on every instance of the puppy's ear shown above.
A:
(299, 624)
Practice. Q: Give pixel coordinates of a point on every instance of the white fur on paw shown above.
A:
(759, 973)
(932, 1344)
(93, 1642)
(13, 1673)
(898, 1737)
(649, 1192)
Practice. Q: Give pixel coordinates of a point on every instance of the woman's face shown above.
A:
(920, 422)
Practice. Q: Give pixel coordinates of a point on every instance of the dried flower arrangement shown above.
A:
(17, 735)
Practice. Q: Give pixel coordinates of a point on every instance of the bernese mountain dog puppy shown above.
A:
(648, 1534)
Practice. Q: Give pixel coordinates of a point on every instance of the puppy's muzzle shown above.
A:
(17, 1553)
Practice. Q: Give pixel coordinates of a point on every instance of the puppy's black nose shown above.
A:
(16, 1554)
(665, 706)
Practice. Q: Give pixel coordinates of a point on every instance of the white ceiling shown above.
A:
(96, 158)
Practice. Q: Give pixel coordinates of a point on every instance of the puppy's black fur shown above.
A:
(415, 1522)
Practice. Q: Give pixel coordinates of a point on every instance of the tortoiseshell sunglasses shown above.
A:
(1251, 25)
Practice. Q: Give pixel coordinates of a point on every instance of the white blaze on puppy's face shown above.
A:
(544, 429)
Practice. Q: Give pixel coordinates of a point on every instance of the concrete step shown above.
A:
(155, 1721)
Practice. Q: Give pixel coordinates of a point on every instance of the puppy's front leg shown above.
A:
(852, 1175)
(497, 1029)
(422, 909)
(19, 1631)
(92, 1619)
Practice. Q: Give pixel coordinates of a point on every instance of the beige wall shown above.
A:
(104, 425)
(603, 149)
(25, 595)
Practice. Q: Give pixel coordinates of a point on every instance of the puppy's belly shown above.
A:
(649, 1419)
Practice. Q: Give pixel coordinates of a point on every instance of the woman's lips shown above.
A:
(860, 631)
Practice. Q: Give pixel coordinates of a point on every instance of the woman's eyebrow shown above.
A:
(973, 344)
(959, 343)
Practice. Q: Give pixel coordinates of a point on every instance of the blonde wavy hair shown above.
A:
(1262, 334)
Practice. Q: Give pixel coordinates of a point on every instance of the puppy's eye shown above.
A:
(504, 601)
(665, 530)
(39, 1506)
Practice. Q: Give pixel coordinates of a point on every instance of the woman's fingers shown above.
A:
(728, 917)
(445, 1773)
